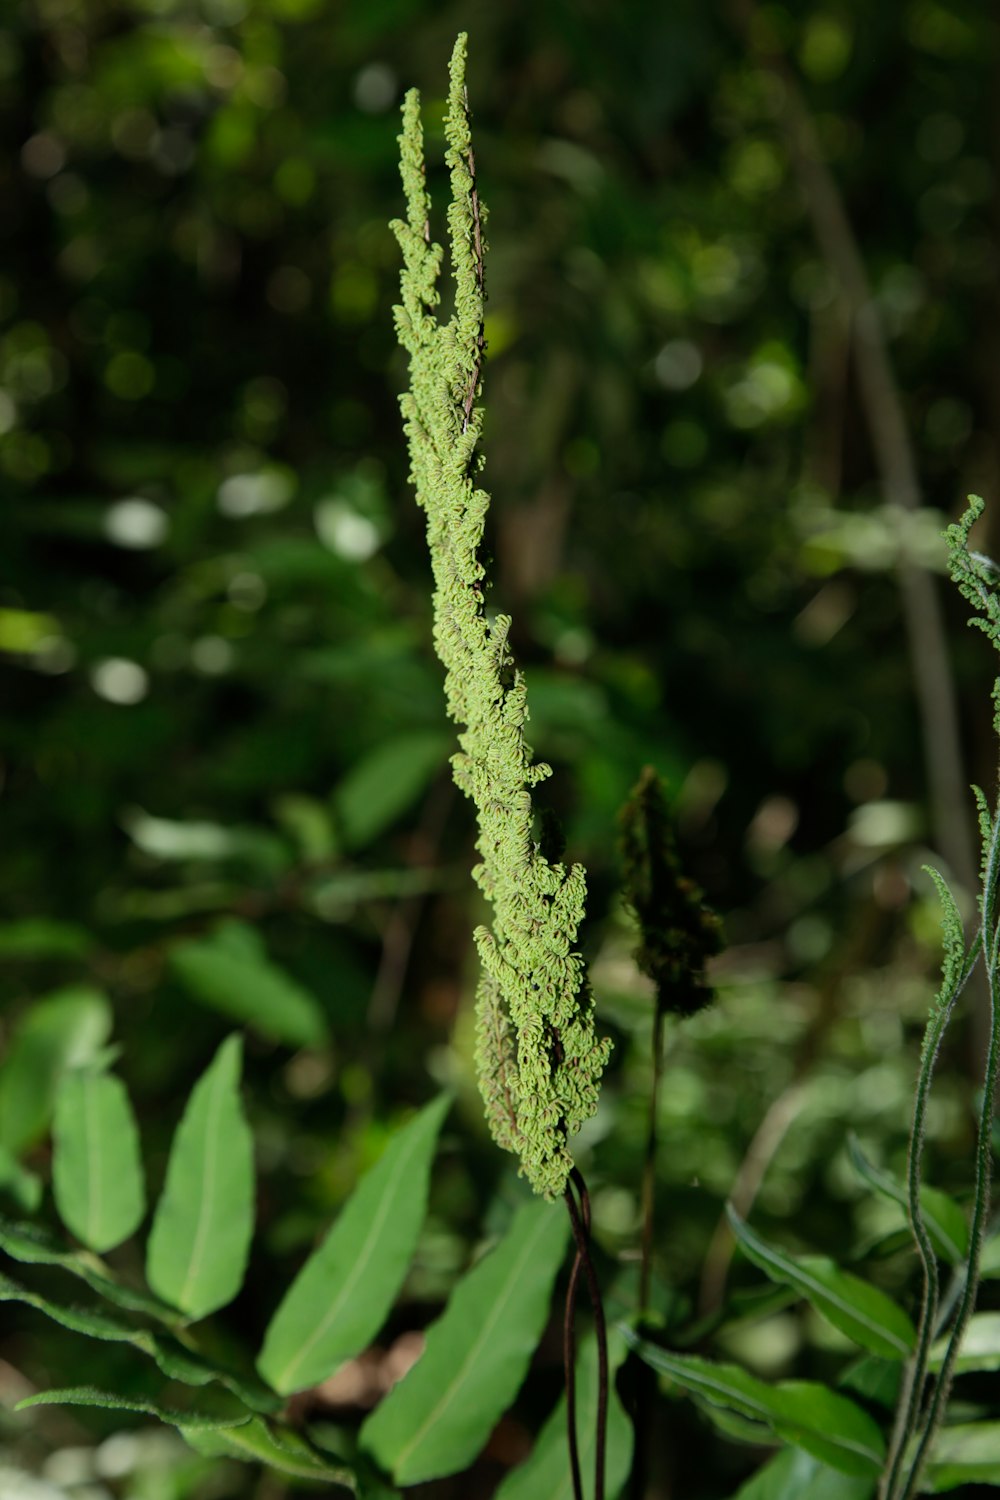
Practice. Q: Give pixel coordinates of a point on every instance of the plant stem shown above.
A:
(980, 1211)
(649, 1168)
(569, 1352)
(580, 1220)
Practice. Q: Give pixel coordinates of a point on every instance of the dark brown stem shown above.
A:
(649, 1169)
(579, 1217)
(569, 1361)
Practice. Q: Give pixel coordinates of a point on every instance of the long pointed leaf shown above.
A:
(827, 1425)
(201, 1231)
(88, 1395)
(856, 1308)
(945, 1222)
(33, 1245)
(340, 1298)
(280, 1448)
(96, 1170)
(546, 1470)
(62, 1031)
(966, 1454)
(246, 986)
(439, 1416)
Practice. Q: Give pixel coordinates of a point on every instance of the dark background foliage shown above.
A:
(219, 696)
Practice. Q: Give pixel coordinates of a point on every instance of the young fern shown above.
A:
(919, 1418)
(538, 1058)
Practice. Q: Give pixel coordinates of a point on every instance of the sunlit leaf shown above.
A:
(440, 1414)
(853, 1306)
(63, 1031)
(201, 1230)
(342, 1295)
(811, 1416)
(22, 1187)
(968, 1453)
(96, 1170)
(980, 1346)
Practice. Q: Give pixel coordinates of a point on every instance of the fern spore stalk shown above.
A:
(538, 1058)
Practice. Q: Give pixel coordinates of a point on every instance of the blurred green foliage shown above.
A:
(223, 744)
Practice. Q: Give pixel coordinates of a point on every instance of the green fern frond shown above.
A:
(538, 1057)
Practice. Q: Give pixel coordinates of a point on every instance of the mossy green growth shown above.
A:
(539, 1059)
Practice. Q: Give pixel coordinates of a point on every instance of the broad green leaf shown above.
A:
(546, 1470)
(827, 1425)
(968, 1453)
(439, 1416)
(35, 1246)
(63, 1031)
(381, 786)
(794, 1474)
(96, 1170)
(859, 1310)
(279, 1447)
(228, 1415)
(342, 1295)
(946, 1224)
(41, 937)
(201, 1230)
(227, 975)
(878, 1380)
(980, 1346)
(22, 1187)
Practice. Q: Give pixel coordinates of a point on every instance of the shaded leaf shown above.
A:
(853, 1306)
(968, 1453)
(96, 1170)
(827, 1425)
(63, 1031)
(878, 1380)
(42, 937)
(86, 1395)
(341, 1297)
(23, 1187)
(33, 1245)
(439, 1416)
(278, 1447)
(793, 1474)
(227, 974)
(201, 1230)
(94, 1322)
(945, 1222)
(546, 1470)
(384, 784)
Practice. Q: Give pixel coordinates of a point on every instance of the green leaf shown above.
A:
(793, 1474)
(278, 1447)
(87, 1395)
(341, 1297)
(96, 1169)
(968, 1453)
(384, 784)
(546, 1470)
(94, 1322)
(18, 1183)
(230, 976)
(63, 1031)
(439, 1416)
(857, 1309)
(827, 1425)
(878, 1380)
(989, 1265)
(41, 937)
(35, 1246)
(945, 1222)
(979, 1349)
(201, 1231)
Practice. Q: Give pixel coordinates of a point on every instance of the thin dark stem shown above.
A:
(569, 1360)
(580, 1220)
